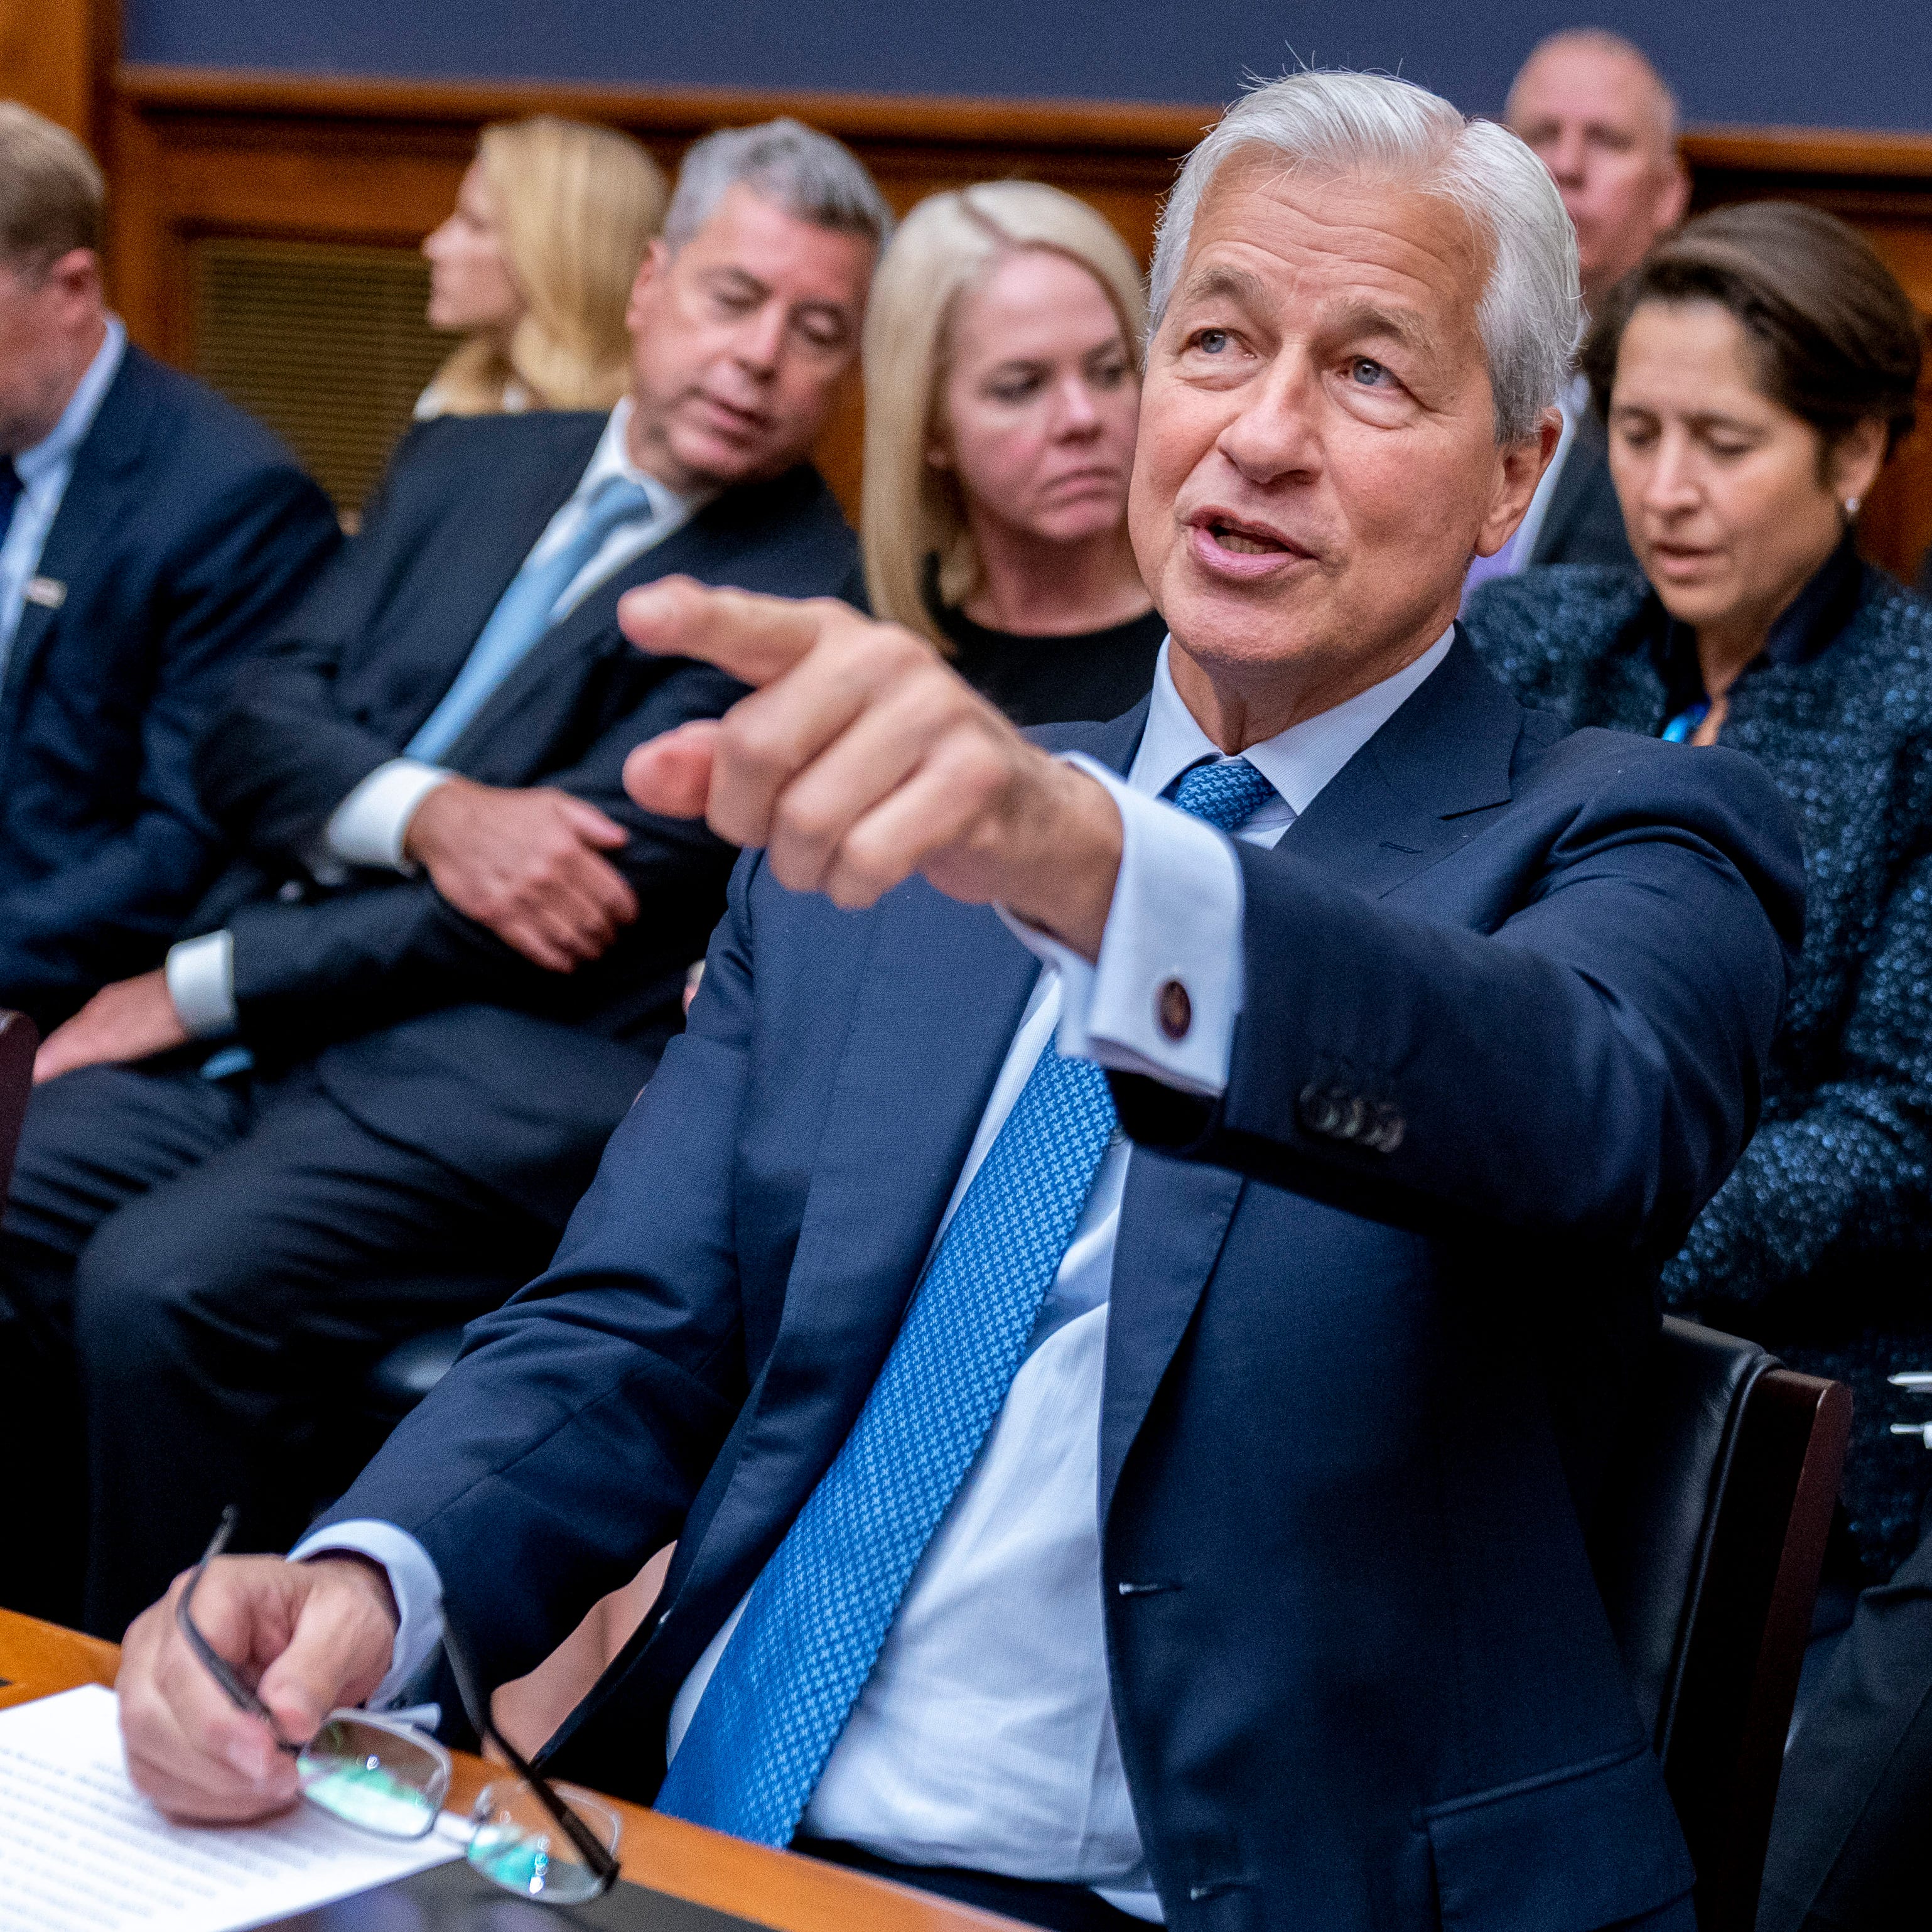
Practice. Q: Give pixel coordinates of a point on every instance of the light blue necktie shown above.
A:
(522, 616)
(819, 1611)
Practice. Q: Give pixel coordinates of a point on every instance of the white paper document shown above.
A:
(81, 1850)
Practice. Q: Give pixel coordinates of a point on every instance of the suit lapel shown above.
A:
(1420, 788)
(701, 549)
(91, 508)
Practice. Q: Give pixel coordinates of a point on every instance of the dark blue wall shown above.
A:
(1855, 63)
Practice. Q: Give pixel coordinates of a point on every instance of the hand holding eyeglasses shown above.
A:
(314, 1636)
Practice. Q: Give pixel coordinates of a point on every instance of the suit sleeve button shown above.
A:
(1173, 1009)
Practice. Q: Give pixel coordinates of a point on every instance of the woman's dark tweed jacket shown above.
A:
(1820, 1243)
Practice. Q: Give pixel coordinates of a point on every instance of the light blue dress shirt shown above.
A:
(985, 1736)
(45, 472)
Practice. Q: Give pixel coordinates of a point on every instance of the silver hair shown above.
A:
(1531, 313)
(809, 175)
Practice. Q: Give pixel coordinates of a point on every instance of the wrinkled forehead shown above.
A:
(1301, 233)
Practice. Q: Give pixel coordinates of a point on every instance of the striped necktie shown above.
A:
(820, 1609)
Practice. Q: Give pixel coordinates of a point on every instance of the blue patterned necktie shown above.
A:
(522, 616)
(820, 1609)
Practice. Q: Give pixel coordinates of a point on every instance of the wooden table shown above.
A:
(776, 1888)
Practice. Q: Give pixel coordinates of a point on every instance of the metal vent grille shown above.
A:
(327, 345)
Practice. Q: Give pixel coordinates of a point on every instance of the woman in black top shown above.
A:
(1002, 389)
(1754, 373)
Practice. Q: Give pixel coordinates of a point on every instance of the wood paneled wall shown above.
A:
(194, 154)
(58, 56)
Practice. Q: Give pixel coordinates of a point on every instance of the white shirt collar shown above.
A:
(57, 448)
(1297, 762)
(612, 457)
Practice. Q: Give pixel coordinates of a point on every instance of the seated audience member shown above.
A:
(1605, 126)
(1755, 374)
(1295, 1628)
(535, 265)
(364, 1093)
(1002, 384)
(150, 534)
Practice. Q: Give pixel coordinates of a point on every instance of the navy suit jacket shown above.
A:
(1355, 1397)
(422, 1023)
(186, 531)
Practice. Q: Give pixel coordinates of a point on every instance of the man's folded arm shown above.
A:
(564, 1448)
(304, 974)
(1592, 1065)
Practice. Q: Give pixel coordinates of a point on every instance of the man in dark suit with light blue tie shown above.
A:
(151, 536)
(364, 1091)
(1121, 1293)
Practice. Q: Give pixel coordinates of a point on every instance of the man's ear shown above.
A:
(75, 277)
(1519, 469)
(1673, 197)
(650, 271)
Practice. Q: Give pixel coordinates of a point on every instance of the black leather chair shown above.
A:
(1708, 1544)
(408, 1372)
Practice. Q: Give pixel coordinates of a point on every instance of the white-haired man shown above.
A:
(1153, 1492)
(1604, 124)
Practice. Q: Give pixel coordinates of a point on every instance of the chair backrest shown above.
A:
(1708, 1544)
(18, 1043)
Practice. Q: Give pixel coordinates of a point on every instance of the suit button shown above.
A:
(288, 891)
(1318, 1112)
(1173, 1009)
(1385, 1134)
(1354, 1117)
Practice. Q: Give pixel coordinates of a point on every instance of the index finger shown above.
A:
(755, 638)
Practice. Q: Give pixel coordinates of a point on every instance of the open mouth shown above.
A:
(1236, 538)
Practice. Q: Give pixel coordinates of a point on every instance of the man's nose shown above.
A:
(1565, 157)
(1275, 436)
(761, 339)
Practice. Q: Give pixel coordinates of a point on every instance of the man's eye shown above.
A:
(1211, 341)
(1371, 375)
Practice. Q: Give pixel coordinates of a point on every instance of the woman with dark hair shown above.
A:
(1754, 373)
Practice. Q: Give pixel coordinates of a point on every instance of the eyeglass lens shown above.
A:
(373, 1778)
(515, 1843)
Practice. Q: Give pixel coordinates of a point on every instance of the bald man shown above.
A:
(1603, 123)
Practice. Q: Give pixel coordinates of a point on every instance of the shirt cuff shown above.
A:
(368, 826)
(413, 1581)
(1163, 997)
(200, 977)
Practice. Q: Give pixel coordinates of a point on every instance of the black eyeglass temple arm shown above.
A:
(478, 1706)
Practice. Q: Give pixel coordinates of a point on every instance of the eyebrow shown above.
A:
(1240, 285)
(1367, 319)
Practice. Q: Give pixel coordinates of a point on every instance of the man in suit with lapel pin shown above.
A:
(362, 1095)
(1123, 1291)
(1605, 126)
(150, 535)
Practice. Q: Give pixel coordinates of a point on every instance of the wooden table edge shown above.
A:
(779, 1889)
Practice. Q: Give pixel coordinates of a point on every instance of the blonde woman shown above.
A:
(1002, 389)
(535, 266)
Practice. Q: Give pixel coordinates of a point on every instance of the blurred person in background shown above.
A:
(1601, 119)
(1755, 373)
(1002, 390)
(360, 1098)
(150, 535)
(535, 267)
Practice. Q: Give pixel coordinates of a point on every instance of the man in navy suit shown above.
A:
(150, 535)
(362, 1094)
(1157, 1491)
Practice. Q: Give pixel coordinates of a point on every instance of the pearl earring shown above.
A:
(1852, 507)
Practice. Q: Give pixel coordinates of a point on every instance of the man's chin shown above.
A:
(717, 463)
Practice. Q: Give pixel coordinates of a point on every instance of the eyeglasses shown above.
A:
(550, 1842)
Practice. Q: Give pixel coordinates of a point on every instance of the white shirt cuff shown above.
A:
(200, 976)
(1175, 922)
(368, 827)
(413, 1581)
